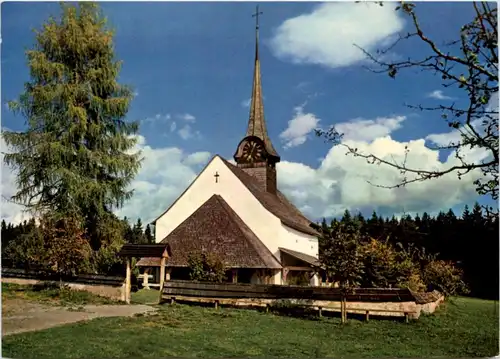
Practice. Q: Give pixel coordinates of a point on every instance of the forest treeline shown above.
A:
(28, 245)
(422, 252)
(468, 242)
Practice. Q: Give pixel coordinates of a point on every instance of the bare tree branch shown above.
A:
(473, 68)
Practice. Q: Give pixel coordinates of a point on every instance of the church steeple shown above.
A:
(256, 121)
(255, 153)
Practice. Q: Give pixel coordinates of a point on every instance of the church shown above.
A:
(236, 212)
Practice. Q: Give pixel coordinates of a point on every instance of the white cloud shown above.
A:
(339, 182)
(303, 85)
(158, 118)
(173, 126)
(246, 103)
(439, 95)
(11, 212)
(165, 173)
(299, 128)
(367, 130)
(186, 133)
(326, 36)
(197, 158)
(187, 117)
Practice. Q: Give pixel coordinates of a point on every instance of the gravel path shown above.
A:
(19, 315)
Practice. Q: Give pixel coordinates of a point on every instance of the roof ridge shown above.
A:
(191, 215)
(187, 188)
(240, 222)
(265, 198)
(244, 233)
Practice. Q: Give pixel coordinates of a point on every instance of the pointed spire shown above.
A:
(256, 121)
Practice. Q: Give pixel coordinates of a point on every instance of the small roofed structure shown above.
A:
(160, 251)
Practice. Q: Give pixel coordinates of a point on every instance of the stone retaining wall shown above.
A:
(116, 292)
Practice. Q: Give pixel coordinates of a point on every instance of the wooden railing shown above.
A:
(266, 291)
(92, 279)
(376, 301)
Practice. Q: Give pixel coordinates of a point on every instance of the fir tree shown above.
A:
(138, 233)
(74, 159)
(149, 236)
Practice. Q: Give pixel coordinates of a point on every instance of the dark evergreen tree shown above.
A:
(149, 236)
(138, 233)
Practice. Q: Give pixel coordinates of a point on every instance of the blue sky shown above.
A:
(191, 66)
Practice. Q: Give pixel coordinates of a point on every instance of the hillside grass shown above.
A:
(461, 327)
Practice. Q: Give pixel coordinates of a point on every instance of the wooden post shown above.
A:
(128, 285)
(345, 309)
(172, 300)
(319, 312)
(162, 277)
(162, 273)
(235, 276)
(216, 304)
(267, 308)
(406, 317)
(342, 309)
(367, 315)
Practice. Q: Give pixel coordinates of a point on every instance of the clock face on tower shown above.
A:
(253, 151)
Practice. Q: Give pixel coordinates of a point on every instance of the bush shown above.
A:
(386, 267)
(301, 279)
(206, 267)
(380, 264)
(445, 277)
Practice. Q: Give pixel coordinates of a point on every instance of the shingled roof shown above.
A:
(277, 204)
(214, 227)
(302, 256)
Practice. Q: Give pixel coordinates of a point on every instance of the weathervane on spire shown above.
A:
(256, 15)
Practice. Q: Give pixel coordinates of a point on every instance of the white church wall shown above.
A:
(297, 241)
(264, 224)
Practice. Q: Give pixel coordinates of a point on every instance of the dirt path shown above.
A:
(20, 315)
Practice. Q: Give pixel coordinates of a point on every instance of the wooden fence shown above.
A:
(377, 301)
(91, 279)
(175, 288)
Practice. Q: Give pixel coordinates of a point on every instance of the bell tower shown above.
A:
(255, 153)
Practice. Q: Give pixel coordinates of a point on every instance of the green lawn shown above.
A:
(145, 296)
(462, 327)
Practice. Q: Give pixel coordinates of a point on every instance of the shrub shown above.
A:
(26, 250)
(413, 282)
(66, 248)
(444, 277)
(384, 267)
(299, 279)
(206, 267)
(380, 264)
